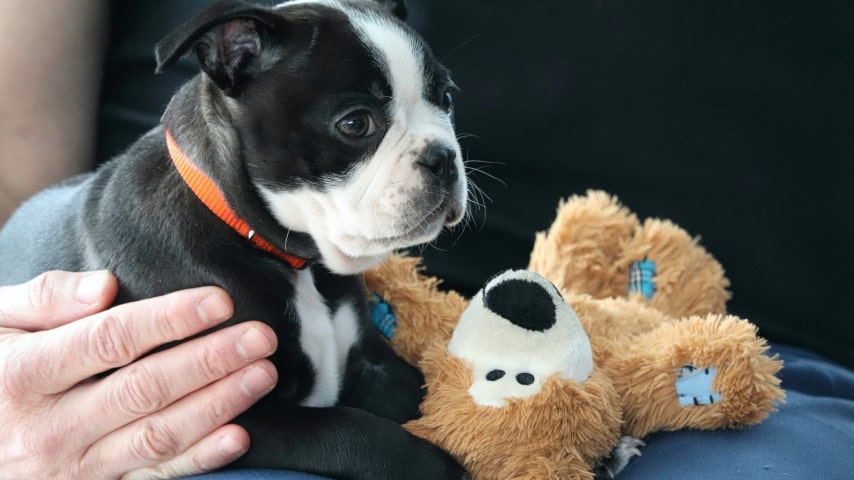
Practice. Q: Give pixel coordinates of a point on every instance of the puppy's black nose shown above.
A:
(439, 159)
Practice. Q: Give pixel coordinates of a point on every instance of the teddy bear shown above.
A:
(636, 339)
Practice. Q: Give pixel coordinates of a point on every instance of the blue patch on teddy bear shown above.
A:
(694, 386)
(642, 278)
(382, 316)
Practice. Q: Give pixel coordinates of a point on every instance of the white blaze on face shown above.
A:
(389, 202)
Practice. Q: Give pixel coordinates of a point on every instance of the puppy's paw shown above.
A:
(429, 462)
(623, 453)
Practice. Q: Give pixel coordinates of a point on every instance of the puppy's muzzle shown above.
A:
(439, 160)
(440, 167)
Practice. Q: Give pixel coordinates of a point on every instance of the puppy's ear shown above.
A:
(396, 7)
(226, 37)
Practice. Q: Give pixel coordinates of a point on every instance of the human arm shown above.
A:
(49, 88)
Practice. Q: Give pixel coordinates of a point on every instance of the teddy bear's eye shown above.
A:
(525, 378)
(494, 375)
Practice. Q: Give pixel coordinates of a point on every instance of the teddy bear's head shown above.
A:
(516, 333)
(518, 373)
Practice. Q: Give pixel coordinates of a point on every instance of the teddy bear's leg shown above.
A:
(702, 372)
(580, 250)
(694, 386)
(672, 272)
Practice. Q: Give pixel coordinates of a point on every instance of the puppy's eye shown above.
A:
(357, 124)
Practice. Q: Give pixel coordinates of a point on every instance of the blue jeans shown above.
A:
(809, 437)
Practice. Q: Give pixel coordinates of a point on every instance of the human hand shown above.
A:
(165, 415)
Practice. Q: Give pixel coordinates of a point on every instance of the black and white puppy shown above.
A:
(317, 139)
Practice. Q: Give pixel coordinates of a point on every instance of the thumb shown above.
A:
(56, 298)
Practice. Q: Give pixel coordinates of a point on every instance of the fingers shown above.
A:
(150, 384)
(213, 452)
(163, 414)
(55, 298)
(177, 439)
(65, 356)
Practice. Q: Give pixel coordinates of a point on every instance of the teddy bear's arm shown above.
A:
(424, 314)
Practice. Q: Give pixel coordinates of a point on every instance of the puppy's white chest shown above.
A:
(326, 338)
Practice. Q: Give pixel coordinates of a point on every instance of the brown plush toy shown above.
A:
(553, 379)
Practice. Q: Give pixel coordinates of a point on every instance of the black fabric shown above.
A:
(733, 119)
(132, 97)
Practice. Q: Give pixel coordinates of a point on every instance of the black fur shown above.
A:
(137, 218)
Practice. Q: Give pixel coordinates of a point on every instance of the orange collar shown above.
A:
(207, 191)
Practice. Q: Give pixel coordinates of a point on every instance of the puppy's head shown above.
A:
(342, 117)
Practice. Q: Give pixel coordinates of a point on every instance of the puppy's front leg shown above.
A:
(379, 381)
(340, 442)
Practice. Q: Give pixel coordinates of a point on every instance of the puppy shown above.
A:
(317, 139)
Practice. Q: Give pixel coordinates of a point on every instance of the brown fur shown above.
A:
(638, 348)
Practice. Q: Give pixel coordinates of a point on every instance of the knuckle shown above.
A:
(210, 363)
(109, 342)
(155, 442)
(165, 316)
(140, 392)
(38, 449)
(44, 446)
(15, 382)
(219, 410)
(172, 317)
(40, 291)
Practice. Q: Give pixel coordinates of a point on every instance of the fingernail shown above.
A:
(91, 287)
(230, 447)
(256, 381)
(214, 308)
(253, 345)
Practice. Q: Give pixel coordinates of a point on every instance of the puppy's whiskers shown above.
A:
(460, 46)
(477, 198)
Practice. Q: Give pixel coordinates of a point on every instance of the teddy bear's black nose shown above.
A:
(524, 303)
